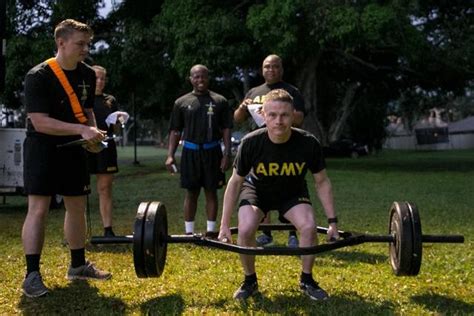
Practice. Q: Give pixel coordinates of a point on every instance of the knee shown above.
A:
(192, 195)
(104, 188)
(246, 235)
(38, 212)
(308, 230)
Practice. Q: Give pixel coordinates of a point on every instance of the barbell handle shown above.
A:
(199, 240)
(128, 239)
(272, 251)
(275, 227)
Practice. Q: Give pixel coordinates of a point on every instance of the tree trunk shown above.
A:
(348, 104)
(307, 83)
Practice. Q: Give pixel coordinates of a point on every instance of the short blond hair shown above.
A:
(65, 29)
(278, 95)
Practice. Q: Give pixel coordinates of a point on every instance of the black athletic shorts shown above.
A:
(271, 202)
(49, 170)
(105, 161)
(202, 168)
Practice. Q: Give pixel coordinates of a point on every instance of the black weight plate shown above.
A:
(161, 237)
(138, 230)
(400, 250)
(417, 247)
(154, 245)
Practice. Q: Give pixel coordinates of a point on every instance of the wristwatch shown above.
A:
(332, 220)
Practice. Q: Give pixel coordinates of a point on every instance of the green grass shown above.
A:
(198, 280)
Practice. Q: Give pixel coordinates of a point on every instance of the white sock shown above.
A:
(189, 227)
(211, 226)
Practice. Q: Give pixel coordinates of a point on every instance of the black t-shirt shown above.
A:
(104, 105)
(44, 94)
(278, 169)
(257, 94)
(201, 117)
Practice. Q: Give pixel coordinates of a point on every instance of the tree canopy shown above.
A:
(354, 61)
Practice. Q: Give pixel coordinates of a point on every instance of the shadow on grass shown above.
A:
(62, 301)
(335, 305)
(443, 305)
(163, 305)
(352, 256)
(358, 256)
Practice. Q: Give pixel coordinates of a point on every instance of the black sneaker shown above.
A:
(33, 285)
(109, 233)
(313, 291)
(246, 290)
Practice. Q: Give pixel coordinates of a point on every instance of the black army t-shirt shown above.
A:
(44, 94)
(201, 117)
(278, 169)
(104, 105)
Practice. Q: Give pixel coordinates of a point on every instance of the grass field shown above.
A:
(199, 280)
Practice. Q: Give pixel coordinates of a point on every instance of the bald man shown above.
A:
(272, 71)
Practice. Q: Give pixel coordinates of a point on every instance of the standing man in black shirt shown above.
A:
(269, 174)
(59, 96)
(201, 119)
(104, 164)
(272, 71)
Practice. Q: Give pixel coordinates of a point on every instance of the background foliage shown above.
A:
(348, 58)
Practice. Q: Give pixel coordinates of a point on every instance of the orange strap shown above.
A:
(75, 105)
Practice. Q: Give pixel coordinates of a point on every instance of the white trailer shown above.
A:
(11, 160)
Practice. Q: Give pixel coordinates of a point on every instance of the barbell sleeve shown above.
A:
(443, 238)
(100, 240)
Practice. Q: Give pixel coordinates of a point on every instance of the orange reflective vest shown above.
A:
(73, 100)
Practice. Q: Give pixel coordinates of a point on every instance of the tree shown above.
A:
(347, 57)
(137, 59)
(210, 33)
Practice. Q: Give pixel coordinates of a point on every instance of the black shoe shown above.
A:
(109, 233)
(313, 291)
(246, 290)
(33, 285)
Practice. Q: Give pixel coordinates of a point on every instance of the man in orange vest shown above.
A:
(59, 97)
